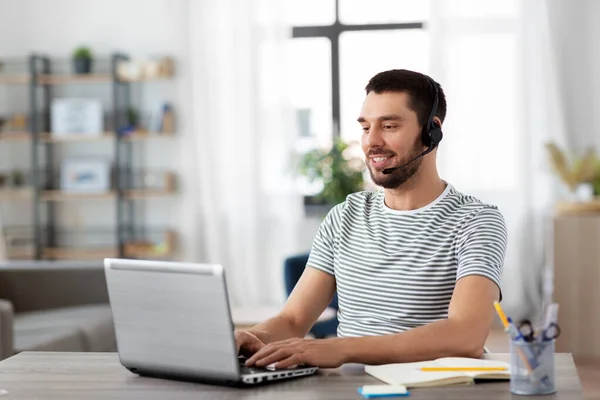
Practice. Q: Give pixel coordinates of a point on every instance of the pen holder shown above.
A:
(532, 367)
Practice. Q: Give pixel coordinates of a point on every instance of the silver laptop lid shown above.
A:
(172, 318)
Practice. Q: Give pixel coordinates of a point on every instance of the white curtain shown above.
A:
(497, 64)
(243, 213)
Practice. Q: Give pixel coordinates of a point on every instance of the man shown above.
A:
(417, 265)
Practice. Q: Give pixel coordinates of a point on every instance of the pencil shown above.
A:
(435, 369)
(501, 314)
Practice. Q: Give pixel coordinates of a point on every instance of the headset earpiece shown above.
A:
(432, 133)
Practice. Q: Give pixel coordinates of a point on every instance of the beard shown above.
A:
(401, 175)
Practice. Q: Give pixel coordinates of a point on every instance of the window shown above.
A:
(365, 53)
(477, 60)
(383, 11)
(481, 95)
(356, 25)
(470, 47)
(309, 87)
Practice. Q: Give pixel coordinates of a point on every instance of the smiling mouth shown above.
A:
(380, 161)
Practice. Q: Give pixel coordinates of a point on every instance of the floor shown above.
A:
(589, 371)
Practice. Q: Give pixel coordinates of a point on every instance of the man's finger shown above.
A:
(263, 352)
(279, 355)
(291, 361)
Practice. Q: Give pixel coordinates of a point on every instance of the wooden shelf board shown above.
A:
(132, 250)
(78, 254)
(587, 207)
(147, 135)
(59, 79)
(149, 78)
(15, 136)
(14, 79)
(20, 254)
(59, 195)
(48, 137)
(15, 193)
(143, 193)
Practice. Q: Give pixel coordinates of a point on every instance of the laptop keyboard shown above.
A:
(252, 370)
(261, 370)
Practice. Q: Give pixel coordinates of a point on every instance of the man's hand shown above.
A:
(326, 353)
(247, 343)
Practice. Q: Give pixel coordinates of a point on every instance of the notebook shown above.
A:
(411, 375)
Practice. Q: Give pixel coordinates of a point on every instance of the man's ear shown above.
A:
(437, 121)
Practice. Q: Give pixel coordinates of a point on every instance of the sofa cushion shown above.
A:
(50, 339)
(93, 324)
(6, 329)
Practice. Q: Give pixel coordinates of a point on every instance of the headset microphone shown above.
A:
(388, 171)
(431, 135)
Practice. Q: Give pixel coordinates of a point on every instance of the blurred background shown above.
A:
(224, 130)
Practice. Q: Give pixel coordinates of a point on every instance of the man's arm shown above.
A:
(312, 293)
(308, 300)
(462, 334)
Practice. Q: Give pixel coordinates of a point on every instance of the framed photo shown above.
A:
(85, 175)
(72, 116)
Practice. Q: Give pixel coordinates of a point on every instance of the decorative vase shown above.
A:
(82, 65)
(584, 192)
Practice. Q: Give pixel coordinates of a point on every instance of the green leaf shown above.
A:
(340, 173)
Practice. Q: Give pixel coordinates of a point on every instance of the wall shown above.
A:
(141, 29)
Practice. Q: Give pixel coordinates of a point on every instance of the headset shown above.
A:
(431, 135)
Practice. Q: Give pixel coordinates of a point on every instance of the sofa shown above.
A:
(54, 306)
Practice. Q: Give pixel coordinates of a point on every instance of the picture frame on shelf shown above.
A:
(85, 175)
(76, 116)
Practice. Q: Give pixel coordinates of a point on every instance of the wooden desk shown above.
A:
(43, 375)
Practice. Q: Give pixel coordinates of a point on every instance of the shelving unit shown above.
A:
(44, 191)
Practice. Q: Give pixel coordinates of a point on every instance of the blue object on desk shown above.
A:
(378, 395)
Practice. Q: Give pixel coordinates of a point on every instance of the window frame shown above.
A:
(333, 33)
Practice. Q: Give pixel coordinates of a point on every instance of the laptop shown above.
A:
(172, 320)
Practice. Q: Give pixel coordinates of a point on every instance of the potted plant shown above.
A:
(580, 175)
(340, 172)
(82, 60)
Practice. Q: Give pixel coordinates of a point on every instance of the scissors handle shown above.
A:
(551, 332)
(526, 329)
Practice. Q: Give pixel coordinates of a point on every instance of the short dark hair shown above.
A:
(418, 86)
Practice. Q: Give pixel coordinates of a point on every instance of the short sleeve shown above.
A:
(322, 251)
(482, 246)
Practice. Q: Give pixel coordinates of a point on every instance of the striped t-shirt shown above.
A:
(396, 270)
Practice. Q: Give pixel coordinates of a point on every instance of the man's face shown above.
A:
(391, 137)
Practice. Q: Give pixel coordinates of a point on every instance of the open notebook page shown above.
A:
(410, 374)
